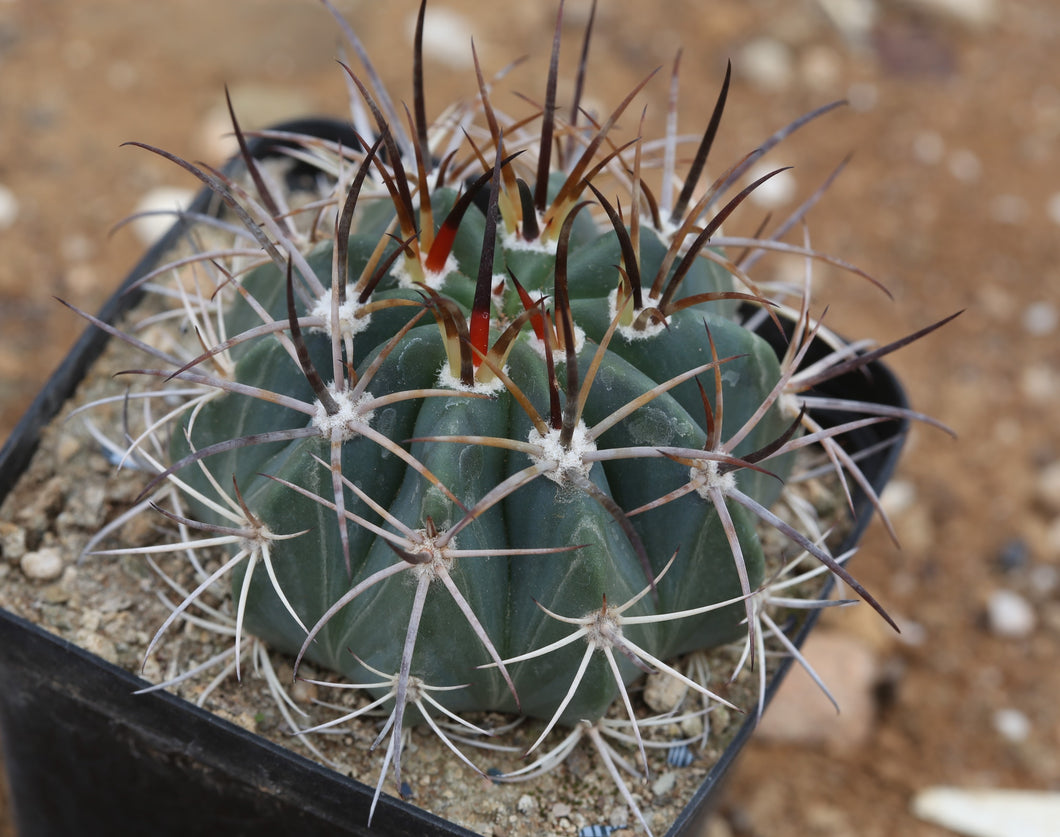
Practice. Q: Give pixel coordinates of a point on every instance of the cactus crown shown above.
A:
(479, 434)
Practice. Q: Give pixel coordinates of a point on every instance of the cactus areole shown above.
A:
(488, 431)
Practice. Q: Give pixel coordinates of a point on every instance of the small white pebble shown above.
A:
(773, 193)
(12, 541)
(767, 63)
(1012, 725)
(974, 13)
(97, 644)
(526, 804)
(68, 447)
(618, 816)
(43, 565)
(1052, 208)
(929, 147)
(718, 827)
(821, 68)
(854, 18)
(1010, 615)
(692, 726)
(663, 692)
(8, 208)
(913, 633)
(446, 37)
(1040, 318)
(997, 302)
(303, 692)
(964, 164)
(1039, 382)
(165, 200)
(898, 496)
(664, 784)
(1048, 486)
(989, 812)
(1009, 209)
(863, 96)
(69, 577)
(1045, 578)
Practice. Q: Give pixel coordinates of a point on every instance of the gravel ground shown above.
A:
(951, 200)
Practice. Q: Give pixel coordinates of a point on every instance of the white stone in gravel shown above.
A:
(863, 96)
(1045, 578)
(67, 448)
(164, 200)
(929, 147)
(767, 63)
(526, 804)
(854, 18)
(43, 565)
(692, 726)
(1052, 207)
(303, 692)
(12, 541)
(821, 68)
(978, 13)
(964, 164)
(1040, 318)
(1039, 382)
(95, 643)
(446, 36)
(8, 208)
(1009, 209)
(664, 784)
(662, 692)
(1048, 486)
(775, 192)
(717, 827)
(985, 812)
(913, 633)
(1012, 725)
(898, 496)
(1010, 615)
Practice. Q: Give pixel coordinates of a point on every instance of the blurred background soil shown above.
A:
(952, 199)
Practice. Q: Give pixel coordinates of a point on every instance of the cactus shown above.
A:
(490, 432)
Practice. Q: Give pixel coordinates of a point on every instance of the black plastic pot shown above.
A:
(84, 755)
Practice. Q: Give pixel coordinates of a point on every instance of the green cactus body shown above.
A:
(483, 428)
(506, 593)
(489, 433)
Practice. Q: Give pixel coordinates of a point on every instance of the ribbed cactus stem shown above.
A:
(503, 383)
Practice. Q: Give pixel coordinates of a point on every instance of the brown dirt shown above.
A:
(954, 133)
